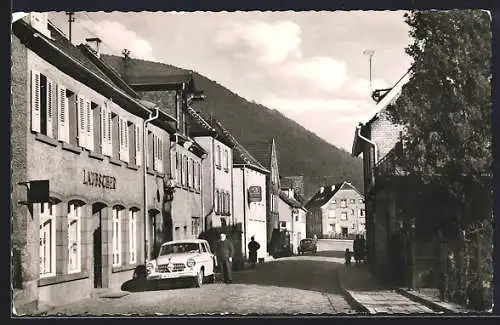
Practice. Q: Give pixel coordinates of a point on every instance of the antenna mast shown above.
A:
(71, 20)
(370, 55)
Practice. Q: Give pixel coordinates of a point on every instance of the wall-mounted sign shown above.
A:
(254, 194)
(98, 180)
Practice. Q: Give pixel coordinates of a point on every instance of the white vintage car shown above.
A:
(190, 258)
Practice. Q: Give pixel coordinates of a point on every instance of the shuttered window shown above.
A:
(35, 101)
(138, 145)
(63, 114)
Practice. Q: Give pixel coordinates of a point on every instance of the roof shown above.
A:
(290, 201)
(319, 199)
(261, 150)
(381, 106)
(182, 241)
(142, 72)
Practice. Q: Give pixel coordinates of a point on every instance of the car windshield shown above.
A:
(179, 248)
(306, 241)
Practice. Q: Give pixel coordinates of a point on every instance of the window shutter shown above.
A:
(90, 125)
(104, 134)
(62, 111)
(138, 145)
(80, 104)
(160, 154)
(50, 106)
(109, 129)
(126, 149)
(35, 101)
(120, 138)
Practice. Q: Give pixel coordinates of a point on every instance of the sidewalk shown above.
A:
(370, 296)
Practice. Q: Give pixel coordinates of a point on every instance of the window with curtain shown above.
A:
(75, 211)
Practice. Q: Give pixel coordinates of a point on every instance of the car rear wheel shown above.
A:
(198, 281)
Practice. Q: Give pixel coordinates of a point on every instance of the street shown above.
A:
(297, 284)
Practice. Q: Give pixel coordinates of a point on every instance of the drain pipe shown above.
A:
(373, 144)
(145, 168)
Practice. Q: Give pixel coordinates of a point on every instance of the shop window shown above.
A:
(75, 211)
(117, 235)
(47, 240)
(343, 203)
(132, 236)
(195, 226)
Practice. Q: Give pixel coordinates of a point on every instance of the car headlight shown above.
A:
(191, 262)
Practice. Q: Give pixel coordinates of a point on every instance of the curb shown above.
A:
(436, 306)
(359, 307)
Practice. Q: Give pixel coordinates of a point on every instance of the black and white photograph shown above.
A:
(225, 163)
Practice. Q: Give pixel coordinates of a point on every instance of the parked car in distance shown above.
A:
(181, 259)
(307, 245)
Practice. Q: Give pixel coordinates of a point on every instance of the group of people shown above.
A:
(224, 250)
(359, 251)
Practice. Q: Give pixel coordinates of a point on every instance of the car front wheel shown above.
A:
(199, 279)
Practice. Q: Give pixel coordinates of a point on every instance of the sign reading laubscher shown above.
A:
(98, 180)
(254, 194)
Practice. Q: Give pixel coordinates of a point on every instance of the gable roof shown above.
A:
(290, 201)
(142, 72)
(319, 199)
(261, 150)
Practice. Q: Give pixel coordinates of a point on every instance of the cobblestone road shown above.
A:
(301, 284)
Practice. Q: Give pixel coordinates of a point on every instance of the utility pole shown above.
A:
(71, 19)
(370, 55)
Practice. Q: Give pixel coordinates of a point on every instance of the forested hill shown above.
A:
(300, 151)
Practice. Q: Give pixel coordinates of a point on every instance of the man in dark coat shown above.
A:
(224, 250)
(253, 247)
(357, 249)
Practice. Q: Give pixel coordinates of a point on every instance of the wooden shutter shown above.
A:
(160, 154)
(82, 133)
(138, 145)
(50, 106)
(126, 149)
(104, 129)
(63, 114)
(110, 133)
(35, 101)
(90, 125)
(120, 137)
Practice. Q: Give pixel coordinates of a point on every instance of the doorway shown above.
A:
(345, 232)
(97, 217)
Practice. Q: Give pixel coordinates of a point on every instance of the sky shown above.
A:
(308, 65)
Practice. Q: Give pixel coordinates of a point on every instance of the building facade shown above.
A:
(376, 140)
(265, 152)
(77, 128)
(336, 211)
(292, 218)
(172, 90)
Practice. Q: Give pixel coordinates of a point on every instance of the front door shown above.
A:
(344, 232)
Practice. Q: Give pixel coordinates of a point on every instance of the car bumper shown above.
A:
(172, 275)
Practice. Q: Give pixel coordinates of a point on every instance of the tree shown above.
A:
(446, 105)
(446, 111)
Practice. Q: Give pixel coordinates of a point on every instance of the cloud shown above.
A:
(341, 107)
(323, 72)
(116, 37)
(267, 42)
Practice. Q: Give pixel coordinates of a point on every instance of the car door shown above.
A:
(213, 259)
(205, 258)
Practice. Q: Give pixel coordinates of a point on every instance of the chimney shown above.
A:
(93, 45)
(321, 189)
(290, 193)
(39, 21)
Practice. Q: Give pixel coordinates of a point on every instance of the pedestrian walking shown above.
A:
(357, 249)
(225, 250)
(362, 245)
(347, 256)
(253, 247)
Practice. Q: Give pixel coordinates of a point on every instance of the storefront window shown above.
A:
(132, 236)
(47, 239)
(116, 236)
(74, 236)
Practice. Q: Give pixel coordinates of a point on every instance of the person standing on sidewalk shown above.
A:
(224, 251)
(253, 247)
(357, 249)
